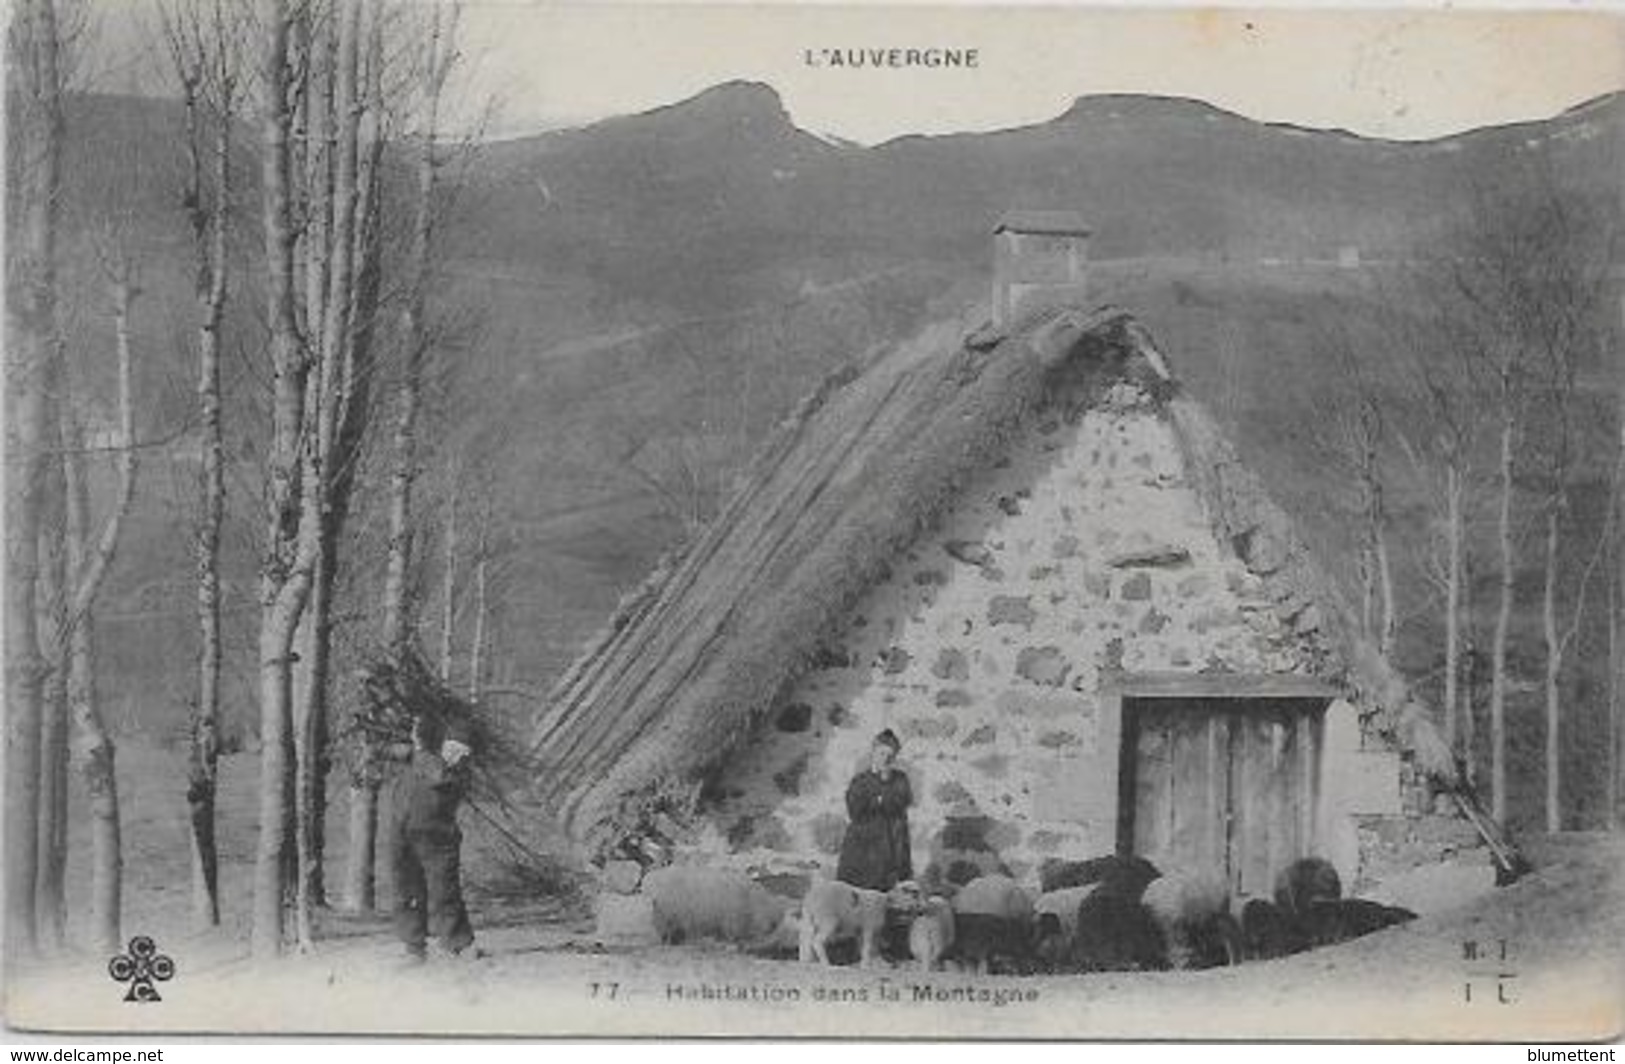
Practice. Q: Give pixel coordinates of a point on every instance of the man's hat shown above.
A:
(889, 738)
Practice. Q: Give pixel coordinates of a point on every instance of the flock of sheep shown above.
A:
(1105, 914)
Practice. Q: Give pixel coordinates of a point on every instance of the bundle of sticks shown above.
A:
(402, 692)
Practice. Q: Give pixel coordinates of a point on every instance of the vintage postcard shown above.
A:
(972, 521)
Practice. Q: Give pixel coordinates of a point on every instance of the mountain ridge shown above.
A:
(767, 95)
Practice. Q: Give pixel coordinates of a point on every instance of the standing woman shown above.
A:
(875, 851)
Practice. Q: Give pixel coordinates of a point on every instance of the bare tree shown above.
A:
(1440, 442)
(55, 591)
(332, 99)
(93, 738)
(1349, 427)
(90, 563)
(340, 392)
(1519, 299)
(439, 54)
(687, 457)
(1508, 404)
(448, 573)
(321, 91)
(1481, 278)
(78, 561)
(34, 149)
(476, 643)
(1561, 331)
(285, 569)
(203, 45)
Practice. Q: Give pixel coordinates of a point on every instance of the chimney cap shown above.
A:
(1047, 223)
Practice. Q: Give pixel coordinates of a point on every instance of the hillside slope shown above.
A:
(648, 295)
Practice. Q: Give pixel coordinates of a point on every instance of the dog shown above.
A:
(931, 934)
(832, 911)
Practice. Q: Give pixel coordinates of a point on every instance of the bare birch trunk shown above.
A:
(1454, 531)
(276, 799)
(315, 872)
(335, 259)
(476, 649)
(1380, 614)
(1470, 664)
(361, 880)
(34, 81)
(354, 415)
(55, 592)
(1554, 670)
(284, 577)
(366, 771)
(316, 115)
(448, 584)
(312, 670)
(91, 735)
(1390, 612)
(1368, 588)
(78, 577)
(101, 783)
(209, 233)
(315, 35)
(403, 471)
(1503, 622)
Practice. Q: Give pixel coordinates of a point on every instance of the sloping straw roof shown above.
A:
(857, 473)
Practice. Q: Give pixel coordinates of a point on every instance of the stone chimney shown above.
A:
(1039, 261)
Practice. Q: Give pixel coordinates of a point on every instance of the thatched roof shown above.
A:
(844, 486)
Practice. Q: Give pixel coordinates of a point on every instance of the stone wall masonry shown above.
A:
(1087, 551)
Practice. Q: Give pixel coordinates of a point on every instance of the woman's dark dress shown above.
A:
(875, 851)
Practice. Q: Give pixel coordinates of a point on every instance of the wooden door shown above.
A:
(1224, 787)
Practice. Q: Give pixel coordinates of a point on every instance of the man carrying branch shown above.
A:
(425, 843)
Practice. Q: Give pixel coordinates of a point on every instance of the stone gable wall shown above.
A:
(1087, 552)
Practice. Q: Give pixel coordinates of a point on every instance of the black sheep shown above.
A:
(1267, 932)
(1304, 882)
(1124, 874)
(1216, 942)
(1328, 922)
(1193, 914)
(1115, 933)
(1051, 944)
(1000, 945)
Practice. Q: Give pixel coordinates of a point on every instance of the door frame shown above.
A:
(1121, 694)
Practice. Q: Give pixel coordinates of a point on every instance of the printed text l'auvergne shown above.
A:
(891, 58)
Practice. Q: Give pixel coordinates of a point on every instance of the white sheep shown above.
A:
(1193, 913)
(1064, 904)
(693, 902)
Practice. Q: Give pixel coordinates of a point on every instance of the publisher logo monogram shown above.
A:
(142, 966)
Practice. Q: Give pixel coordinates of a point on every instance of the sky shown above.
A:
(1405, 73)
(1397, 73)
